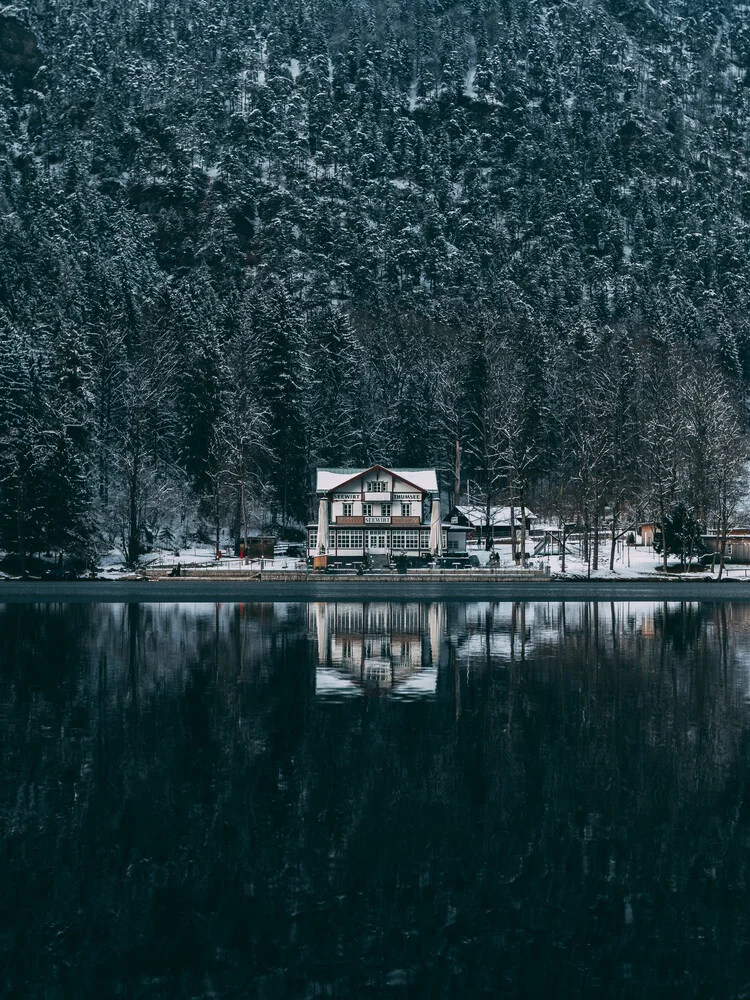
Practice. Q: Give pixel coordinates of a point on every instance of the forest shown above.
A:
(242, 240)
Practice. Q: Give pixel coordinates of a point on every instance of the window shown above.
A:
(367, 509)
(729, 549)
(377, 540)
(406, 540)
(411, 541)
(350, 539)
(348, 509)
(453, 545)
(385, 510)
(424, 539)
(405, 509)
(377, 486)
(313, 537)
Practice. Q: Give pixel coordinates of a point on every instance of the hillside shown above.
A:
(239, 239)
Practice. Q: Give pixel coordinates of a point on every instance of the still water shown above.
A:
(381, 799)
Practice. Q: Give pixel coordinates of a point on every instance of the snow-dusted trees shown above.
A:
(282, 379)
(144, 437)
(615, 391)
(379, 193)
(335, 400)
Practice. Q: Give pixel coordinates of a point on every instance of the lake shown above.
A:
(375, 799)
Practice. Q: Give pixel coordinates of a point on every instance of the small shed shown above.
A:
(737, 548)
(646, 531)
(475, 518)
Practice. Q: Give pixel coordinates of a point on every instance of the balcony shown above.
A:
(377, 497)
(405, 522)
(350, 520)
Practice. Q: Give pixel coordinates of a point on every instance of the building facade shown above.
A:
(380, 513)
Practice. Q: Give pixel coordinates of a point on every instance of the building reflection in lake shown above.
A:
(376, 646)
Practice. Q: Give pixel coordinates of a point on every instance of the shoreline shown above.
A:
(266, 591)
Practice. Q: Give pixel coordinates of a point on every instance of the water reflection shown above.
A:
(376, 647)
(560, 808)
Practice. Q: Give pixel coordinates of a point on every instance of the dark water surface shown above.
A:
(380, 799)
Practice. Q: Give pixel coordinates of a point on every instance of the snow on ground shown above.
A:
(631, 563)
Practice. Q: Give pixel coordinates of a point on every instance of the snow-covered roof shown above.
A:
(331, 479)
(477, 516)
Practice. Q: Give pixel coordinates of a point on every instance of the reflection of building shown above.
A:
(374, 646)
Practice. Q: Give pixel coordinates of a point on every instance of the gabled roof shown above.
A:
(424, 480)
(477, 516)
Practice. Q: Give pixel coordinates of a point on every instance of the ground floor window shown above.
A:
(424, 540)
(313, 537)
(406, 540)
(412, 540)
(350, 540)
(377, 540)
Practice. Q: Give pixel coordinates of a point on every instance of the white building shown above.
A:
(380, 513)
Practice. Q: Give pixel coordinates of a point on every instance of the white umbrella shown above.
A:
(321, 627)
(323, 527)
(436, 625)
(436, 529)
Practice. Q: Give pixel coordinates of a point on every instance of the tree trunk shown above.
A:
(457, 476)
(724, 532)
(21, 531)
(244, 508)
(488, 519)
(596, 531)
(217, 516)
(663, 533)
(512, 521)
(523, 530)
(614, 542)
